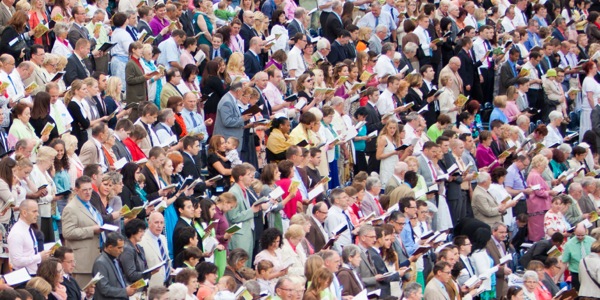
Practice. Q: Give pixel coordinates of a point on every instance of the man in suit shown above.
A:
(147, 117)
(454, 194)
(374, 123)
(435, 289)
(317, 235)
(338, 48)
(261, 80)
(146, 14)
(451, 70)
(229, 120)
(191, 163)
(548, 61)
(333, 26)
(586, 204)
(67, 260)
(244, 211)
(560, 29)
(247, 32)
(6, 11)
(366, 269)
(81, 229)
(295, 25)
(170, 89)
(408, 52)
(496, 249)
(433, 104)
(323, 49)
(376, 40)
(92, 152)
(185, 211)
(78, 30)
(185, 18)
(252, 62)
(113, 284)
(485, 206)
(468, 69)
(397, 178)
(156, 247)
(76, 67)
(551, 269)
(508, 71)
(37, 76)
(426, 166)
(166, 120)
(156, 158)
(398, 220)
(122, 130)
(370, 202)
(217, 49)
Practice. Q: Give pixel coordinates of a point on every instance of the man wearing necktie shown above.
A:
(366, 269)
(113, 284)
(252, 62)
(22, 242)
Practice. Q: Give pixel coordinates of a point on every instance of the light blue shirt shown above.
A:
(407, 238)
(169, 52)
(189, 117)
(301, 187)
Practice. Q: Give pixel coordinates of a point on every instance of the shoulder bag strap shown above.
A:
(587, 270)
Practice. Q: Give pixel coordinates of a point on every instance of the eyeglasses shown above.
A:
(323, 212)
(371, 236)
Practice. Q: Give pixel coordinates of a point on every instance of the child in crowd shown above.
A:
(222, 13)
(263, 271)
(227, 288)
(232, 155)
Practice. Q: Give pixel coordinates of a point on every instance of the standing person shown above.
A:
(590, 93)
(136, 90)
(588, 272)
(113, 284)
(574, 250)
(156, 248)
(497, 249)
(539, 201)
(81, 229)
(22, 244)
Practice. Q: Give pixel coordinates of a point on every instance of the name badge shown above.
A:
(109, 210)
(14, 41)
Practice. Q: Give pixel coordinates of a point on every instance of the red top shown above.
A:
(179, 120)
(291, 207)
(134, 149)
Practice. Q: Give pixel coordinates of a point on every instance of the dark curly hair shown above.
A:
(269, 236)
(63, 163)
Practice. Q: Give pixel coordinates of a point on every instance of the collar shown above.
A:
(376, 250)
(97, 143)
(110, 256)
(189, 221)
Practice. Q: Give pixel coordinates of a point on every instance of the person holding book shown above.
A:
(554, 220)
(133, 258)
(112, 285)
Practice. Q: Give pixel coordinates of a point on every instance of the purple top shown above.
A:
(157, 25)
(221, 227)
(485, 157)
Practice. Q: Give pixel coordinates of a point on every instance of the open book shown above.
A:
(94, 280)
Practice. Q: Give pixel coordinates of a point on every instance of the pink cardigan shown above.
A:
(485, 157)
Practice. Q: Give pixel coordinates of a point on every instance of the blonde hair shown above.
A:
(364, 33)
(76, 85)
(70, 142)
(295, 231)
(236, 63)
(538, 161)
(41, 285)
(112, 88)
(510, 92)
(300, 219)
(313, 263)
(23, 5)
(46, 153)
(259, 15)
(61, 64)
(500, 101)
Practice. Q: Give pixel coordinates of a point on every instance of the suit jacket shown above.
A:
(550, 285)
(242, 213)
(224, 52)
(468, 69)
(425, 170)
(77, 32)
(315, 236)
(38, 77)
(453, 190)
(79, 235)
(228, 121)
(501, 283)
(133, 263)
(433, 108)
(73, 289)
(142, 25)
(154, 257)
(457, 82)
(151, 185)
(586, 204)
(558, 35)
(131, 198)
(435, 291)
(375, 46)
(75, 69)
(120, 150)
(109, 286)
(382, 269)
(186, 22)
(333, 27)
(178, 244)
(337, 53)
(5, 16)
(403, 62)
(373, 121)
(168, 91)
(593, 34)
(347, 279)
(294, 27)
(89, 154)
(191, 168)
(252, 64)
(507, 77)
(137, 87)
(367, 272)
(247, 33)
(391, 185)
(485, 207)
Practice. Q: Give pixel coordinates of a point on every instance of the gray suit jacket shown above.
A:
(425, 171)
(367, 272)
(375, 44)
(89, 153)
(485, 207)
(242, 213)
(5, 16)
(229, 120)
(77, 32)
(550, 285)
(121, 150)
(108, 287)
(507, 78)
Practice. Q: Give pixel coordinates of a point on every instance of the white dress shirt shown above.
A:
(424, 39)
(21, 248)
(385, 104)
(369, 20)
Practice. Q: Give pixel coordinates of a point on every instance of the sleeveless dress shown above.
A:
(386, 169)
(209, 26)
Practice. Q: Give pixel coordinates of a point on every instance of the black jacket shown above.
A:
(333, 27)
(337, 53)
(373, 121)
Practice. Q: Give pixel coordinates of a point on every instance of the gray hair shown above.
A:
(99, 12)
(164, 114)
(483, 177)
(336, 5)
(452, 7)
(350, 251)
(177, 291)
(587, 181)
(50, 59)
(555, 115)
(497, 226)
(299, 12)
(129, 13)
(115, 177)
(575, 187)
(363, 230)
(565, 148)
(530, 275)
(322, 44)
(386, 48)
(400, 167)
(522, 119)
(371, 182)
(253, 287)
(381, 28)
(60, 28)
(411, 288)
(410, 47)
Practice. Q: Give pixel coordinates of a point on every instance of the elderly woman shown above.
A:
(554, 219)
(62, 47)
(236, 261)
(49, 66)
(539, 201)
(497, 190)
(155, 83)
(292, 252)
(21, 128)
(41, 178)
(532, 289)
(348, 275)
(271, 242)
(484, 155)
(133, 258)
(188, 277)
(302, 219)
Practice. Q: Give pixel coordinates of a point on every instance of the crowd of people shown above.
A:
(299, 149)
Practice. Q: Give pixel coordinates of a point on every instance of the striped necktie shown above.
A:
(163, 256)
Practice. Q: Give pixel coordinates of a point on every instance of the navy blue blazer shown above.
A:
(251, 64)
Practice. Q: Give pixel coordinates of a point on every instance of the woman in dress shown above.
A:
(41, 178)
(389, 139)
(590, 92)
(484, 155)
(539, 201)
(21, 185)
(62, 8)
(333, 152)
(554, 219)
(278, 28)
(75, 165)
(446, 99)
(40, 116)
(113, 99)
(286, 168)
(202, 22)
(271, 242)
(21, 128)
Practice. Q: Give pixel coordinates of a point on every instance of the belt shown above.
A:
(537, 213)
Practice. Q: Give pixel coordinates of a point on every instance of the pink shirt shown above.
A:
(511, 111)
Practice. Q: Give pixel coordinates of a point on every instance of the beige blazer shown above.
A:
(153, 256)
(485, 207)
(457, 83)
(78, 230)
(89, 153)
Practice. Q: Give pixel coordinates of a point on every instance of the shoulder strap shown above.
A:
(587, 270)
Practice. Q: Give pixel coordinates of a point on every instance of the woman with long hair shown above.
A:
(51, 270)
(190, 82)
(7, 181)
(37, 15)
(390, 138)
(40, 176)
(208, 210)
(63, 8)
(590, 92)
(81, 120)
(235, 66)
(269, 177)
(202, 22)
(213, 86)
(320, 281)
(75, 165)
(278, 27)
(218, 164)
(286, 169)
(14, 32)
(21, 185)
(40, 116)
(347, 14)
(189, 46)
(176, 104)
(113, 97)
(61, 177)
(305, 89)
(130, 195)
(105, 204)
(327, 69)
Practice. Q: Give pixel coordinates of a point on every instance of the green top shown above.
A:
(572, 251)
(434, 132)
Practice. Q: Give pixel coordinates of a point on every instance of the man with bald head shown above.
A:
(451, 70)
(247, 31)
(252, 61)
(261, 79)
(156, 248)
(574, 250)
(397, 178)
(23, 246)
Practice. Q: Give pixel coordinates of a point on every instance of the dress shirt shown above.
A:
(480, 48)
(192, 118)
(170, 52)
(236, 44)
(101, 156)
(519, 19)
(409, 134)
(392, 11)
(424, 40)
(154, 141)
(21, 248)
(533, 75)
(408, 238)
(301, 187)
(386, 104)
(508, 24)
(165, 134)
(295, 61)
(369, 20)
(553, 136)
(122, 39)
(568, 59)
(272, 94)
(515, 178)
(336, 217)
(323, 2)
(384, 66)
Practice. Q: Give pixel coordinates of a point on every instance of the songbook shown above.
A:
(535, 187)
(47, 129)
(17, 277)
(291, 98)
(566, 294)
(58, 76)
(212, 225)
(593, 216)
(149, 40)
(302, 143)
(366, 76)
(234, 228)
(524, 72)
(461, 100)
(31, 87)
(357, 86)
(300, 104)
(128, 213)
(215, 179)
(106, 46)
(252, 110)
(341, 80)
(372, 134)
(316, 191)
(293, 186)
(94, 280)
(421, 249)
(8, 204)
(553, 252)
(40, 30)
(52, 247)
(3, 86)
(243, 293)
(150, 269)
(109, 227)
(139, 284)
(505, 259)
(340, 229)
(559, 188)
